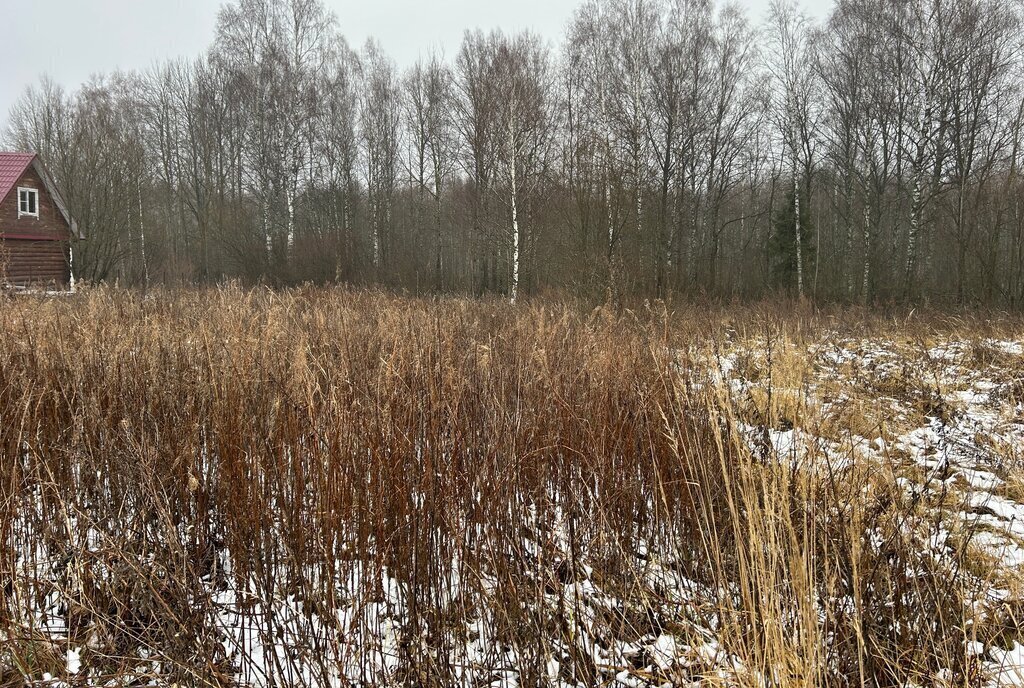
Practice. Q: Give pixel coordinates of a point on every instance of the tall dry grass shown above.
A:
(363, 489)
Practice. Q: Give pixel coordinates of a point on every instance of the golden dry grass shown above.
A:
(474, 471)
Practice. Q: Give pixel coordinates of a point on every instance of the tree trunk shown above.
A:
(866, 285)
(513, 198)
(799, 238)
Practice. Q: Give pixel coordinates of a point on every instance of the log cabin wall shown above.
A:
(34, 250)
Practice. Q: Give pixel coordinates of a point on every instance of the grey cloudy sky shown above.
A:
(71, 40)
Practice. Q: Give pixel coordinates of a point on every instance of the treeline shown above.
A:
(667, 146)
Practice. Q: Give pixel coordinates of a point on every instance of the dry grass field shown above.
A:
(336, 488)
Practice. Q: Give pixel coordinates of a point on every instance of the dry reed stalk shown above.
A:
(311, 487)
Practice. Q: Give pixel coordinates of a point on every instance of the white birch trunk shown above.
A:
(269, 241)
(142, 235)
(867, 252)
(515, 245)
(639, 194)
(915, 227)
(376, 242)
(851, 285)
(513, 198)
(608, 198)
(799, 238)
(290, 196)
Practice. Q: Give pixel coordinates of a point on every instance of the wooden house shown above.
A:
(36, 229)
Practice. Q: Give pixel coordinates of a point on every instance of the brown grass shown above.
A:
(159, 449)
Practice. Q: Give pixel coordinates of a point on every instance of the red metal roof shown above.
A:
(12, 166)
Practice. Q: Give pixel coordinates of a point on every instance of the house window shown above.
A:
(28, 202)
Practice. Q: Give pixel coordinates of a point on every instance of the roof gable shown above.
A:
(14, 165)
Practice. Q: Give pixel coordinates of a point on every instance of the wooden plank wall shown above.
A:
(34, 251)
(49, 225)
(36, 263)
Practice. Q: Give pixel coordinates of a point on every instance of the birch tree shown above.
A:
(523, 73)
(380, 121)
(429, 119)
(790, 65)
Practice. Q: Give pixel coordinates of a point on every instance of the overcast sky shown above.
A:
(71, 40)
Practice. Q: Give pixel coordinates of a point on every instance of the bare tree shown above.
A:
(276, 53)
(380, 120)
(650, 160)
(524, 75)
(790, 64)
(433, 154)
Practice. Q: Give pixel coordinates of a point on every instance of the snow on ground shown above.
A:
(954, 411)
(947, 418)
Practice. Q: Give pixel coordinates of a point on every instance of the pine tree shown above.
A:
(782, 244)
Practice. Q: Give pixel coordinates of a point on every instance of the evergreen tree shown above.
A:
(782, 243)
